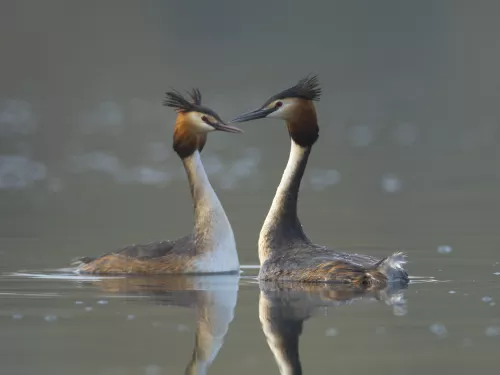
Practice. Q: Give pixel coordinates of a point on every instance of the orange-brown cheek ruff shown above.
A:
(302, 123)
(186, 140)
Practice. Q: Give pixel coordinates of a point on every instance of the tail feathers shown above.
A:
(392, 267)
(81, 261)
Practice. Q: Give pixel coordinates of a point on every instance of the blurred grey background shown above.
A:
(408, 154)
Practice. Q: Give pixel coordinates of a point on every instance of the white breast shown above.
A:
(218, 247)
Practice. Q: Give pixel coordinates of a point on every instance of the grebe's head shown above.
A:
(295, 106)
(193, 122)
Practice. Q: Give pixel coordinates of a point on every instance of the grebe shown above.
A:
(285, 252)
(211, 247)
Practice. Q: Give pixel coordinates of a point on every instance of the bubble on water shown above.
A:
(102, 302)
(88, 308)
(380, 330)
(182, 328)
(78, 302)
(153, 370)
(497, 274)
(50, 318)
(391, 183)
(17, 316)
(486, 299)
(130, 317)
(492, 331)
(360, 135)
(444, 249)
(452, 292)
(330, 332)
(438, 329)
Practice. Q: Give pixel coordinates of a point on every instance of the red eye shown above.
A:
(279, 104)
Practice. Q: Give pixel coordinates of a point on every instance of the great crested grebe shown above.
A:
(285, 252)
(210, 248)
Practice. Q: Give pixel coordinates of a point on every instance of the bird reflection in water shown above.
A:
(283, 308)
(213, 297)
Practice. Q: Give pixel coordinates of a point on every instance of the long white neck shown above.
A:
(282, 225)
(212, 231)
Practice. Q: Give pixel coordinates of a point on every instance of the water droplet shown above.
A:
(452, 292)
(17, 316)
(50, 318)
(486, 299)
(492, 331)
(444, 249)
(130, 317)
(78, 302)
(438, 329)
(497, 274)
(380, 330)
(330, 332)
(102, 302)
(88, 308)
(492, 304)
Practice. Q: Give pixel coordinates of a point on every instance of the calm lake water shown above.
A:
(54, 322)
(408, 159)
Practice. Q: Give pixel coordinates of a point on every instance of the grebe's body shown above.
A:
(285, 252)
(211, 247)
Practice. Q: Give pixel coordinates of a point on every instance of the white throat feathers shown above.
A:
(282, 225)
(214, 238)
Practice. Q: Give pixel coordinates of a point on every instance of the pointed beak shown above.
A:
(253, 115)
(227, 128)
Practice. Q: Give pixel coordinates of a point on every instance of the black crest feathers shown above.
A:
(307, 88)
(175, 100)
